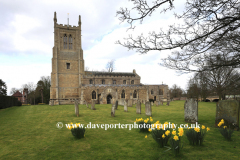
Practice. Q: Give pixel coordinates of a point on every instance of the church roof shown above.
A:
(96, 73)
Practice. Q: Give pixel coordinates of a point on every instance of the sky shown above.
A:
(26, 40)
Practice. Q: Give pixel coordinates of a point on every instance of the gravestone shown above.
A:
(151, 103)
(161, 102)
(229, 110)
(116, 104)
(93, 105)
(125, 106)
(130, 103)
(191, 110)
(113, 110)
(86, 104)
(76, 108)
(168, 103)
(148, 109)
(138, 107)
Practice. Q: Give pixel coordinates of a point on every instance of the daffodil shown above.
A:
(146, 136)
(167, 132)
(208, 129)
(175, 138)
(173, 132)
(163, 136)
(149, 129)
(173, 127)
(224, 127)
(197, 129)
(180, 134)
(203, 127)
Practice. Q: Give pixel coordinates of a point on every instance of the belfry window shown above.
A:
(124, 81)
(132, 82)
(68, 65)
(123, 94)
(70, 42)
(103, 81)
(65, 41)
(114, 81)
(135, 94)
(93, 95)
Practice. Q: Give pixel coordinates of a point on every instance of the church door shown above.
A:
(109, 97)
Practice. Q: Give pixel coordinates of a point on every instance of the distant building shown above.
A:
(69, 81)
(22, 97)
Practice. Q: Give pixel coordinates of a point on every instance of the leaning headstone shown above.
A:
(168, 103)
(148, 109)
(113, 110)
(138, 107)
(229, 110)
(130, 103)
(93, 105)
(76, 108)
(116, 104)
(125, 106)
(191, 110)
(151, 103)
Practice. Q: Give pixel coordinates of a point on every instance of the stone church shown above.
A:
(69, 81)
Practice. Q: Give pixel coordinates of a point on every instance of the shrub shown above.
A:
(19, 103)
(175, 142)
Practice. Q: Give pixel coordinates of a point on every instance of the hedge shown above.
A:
(8, 101)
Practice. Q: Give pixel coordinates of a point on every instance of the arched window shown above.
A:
(90, 81)
(152, 91)
(114, 81)
(123, 94)
(70, 41)
(65, 41)
(160, 92)
(93, 95)
(132, 82)
(103, 81)
(124, 81)
(135, 94)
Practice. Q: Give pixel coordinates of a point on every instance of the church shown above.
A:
(69, 81)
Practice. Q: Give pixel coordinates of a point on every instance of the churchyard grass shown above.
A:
(30, 132)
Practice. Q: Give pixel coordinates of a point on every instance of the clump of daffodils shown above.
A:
(77, 130)
(144, 124)
(225, 131)
(196, 135)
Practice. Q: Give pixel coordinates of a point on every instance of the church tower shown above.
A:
(67, 63)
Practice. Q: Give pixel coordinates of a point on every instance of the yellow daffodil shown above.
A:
(197, 129)
(149, 129)
(166, 123)
(180, 134)
(173, 132)
(224, 127)
(222, 120)
(173, 127)
(158, 127)
(146, 136)
(151, 120)
(167, 132)
(175, 138)
(71, 123)
(203, 127)
(208, 129)
(163, 136)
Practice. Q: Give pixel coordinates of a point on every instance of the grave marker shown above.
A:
(191, 110)
(148, 109)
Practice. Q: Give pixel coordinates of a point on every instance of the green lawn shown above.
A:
(30, 132)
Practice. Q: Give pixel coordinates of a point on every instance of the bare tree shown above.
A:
(176, 91)
(14, 90)
(110, 65)
(211, 28)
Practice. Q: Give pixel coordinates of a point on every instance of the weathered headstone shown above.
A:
(113, 110)
(125, 106)
(191, 110)
(116, 104)
(229, 110)
(138, 107)
(76, 108)
(86, 104)
(93, 105)
(168, 102)
(148, 109)
(130, 103)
